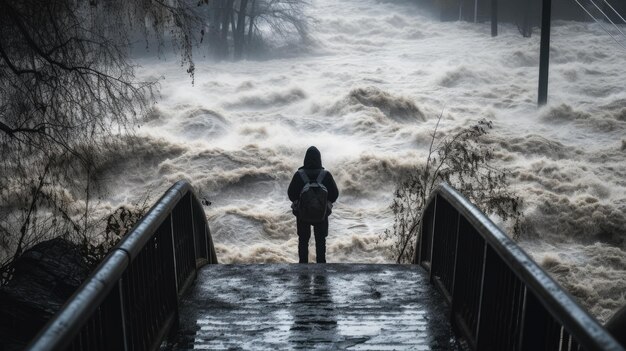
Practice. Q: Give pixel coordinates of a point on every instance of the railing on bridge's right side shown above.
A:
(500, 298)
(130, 301)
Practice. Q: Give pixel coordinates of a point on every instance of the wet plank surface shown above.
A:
(313, 307)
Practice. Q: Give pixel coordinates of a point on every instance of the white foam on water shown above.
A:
(368, 95)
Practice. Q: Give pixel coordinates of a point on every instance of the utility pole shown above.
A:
(460, 10)
(475, 11)
(544, 53)
(527, 27)
(494, 18)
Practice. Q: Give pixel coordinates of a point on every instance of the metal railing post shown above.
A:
(206, 246)
(171, 218)
(456, 252)
(520, 343)
(193, 231)
(417, 257)
(482, 293)
(432, 239)
(123, 312)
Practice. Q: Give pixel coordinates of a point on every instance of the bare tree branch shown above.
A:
(67, 88)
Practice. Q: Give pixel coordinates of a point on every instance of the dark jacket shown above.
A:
(312, 166)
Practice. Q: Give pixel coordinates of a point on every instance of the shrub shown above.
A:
(462, 160)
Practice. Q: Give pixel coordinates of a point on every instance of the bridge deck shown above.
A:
(332, 306)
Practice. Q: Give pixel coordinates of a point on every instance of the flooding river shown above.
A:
(367, 93)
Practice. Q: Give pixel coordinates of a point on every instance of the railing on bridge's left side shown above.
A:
(130, 301)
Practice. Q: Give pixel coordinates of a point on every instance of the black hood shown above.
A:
(313, 159)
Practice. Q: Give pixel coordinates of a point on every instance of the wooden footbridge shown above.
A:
(470, 287)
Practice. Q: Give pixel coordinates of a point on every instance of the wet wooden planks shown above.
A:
(313, 307)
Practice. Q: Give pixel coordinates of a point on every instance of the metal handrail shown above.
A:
(151, 267)
(499, 297)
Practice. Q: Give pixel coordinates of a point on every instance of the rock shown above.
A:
(45, 277)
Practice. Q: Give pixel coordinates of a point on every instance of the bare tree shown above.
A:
(68, 91)
(229, 20)
(282, 16)
(65, 73)
(66, 85)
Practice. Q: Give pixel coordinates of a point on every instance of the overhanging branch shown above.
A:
(12, 131)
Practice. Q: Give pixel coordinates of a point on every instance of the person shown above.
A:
(312, 167)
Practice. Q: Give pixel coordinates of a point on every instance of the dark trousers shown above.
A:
(304, 234)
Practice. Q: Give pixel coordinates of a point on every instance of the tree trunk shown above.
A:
(241, 28)
(226, 13)
(252, 15)
(215, 21)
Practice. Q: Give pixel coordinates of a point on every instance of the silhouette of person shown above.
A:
(312, 167)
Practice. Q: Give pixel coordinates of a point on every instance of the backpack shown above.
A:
(313, 198)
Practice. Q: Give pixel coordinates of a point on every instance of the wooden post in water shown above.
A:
(544, 54)
(494, 18)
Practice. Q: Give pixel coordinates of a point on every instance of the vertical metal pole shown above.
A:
(122, 310)
(544, 55)
(193, 231)
(475, 11)
(206, 242)
(420, 240)
(432, 239)
(520, 343)
(494, 18)
(418, 249)
(456, 255)
(482, 292)
(173, 249)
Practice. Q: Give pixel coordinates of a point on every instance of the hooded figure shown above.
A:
(312, 167)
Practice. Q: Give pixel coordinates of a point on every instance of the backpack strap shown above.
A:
(321, 176)
(305, 178)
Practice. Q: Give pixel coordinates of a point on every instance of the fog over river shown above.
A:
(367, 93)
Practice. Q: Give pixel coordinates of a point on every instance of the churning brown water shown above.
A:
(368, 94)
